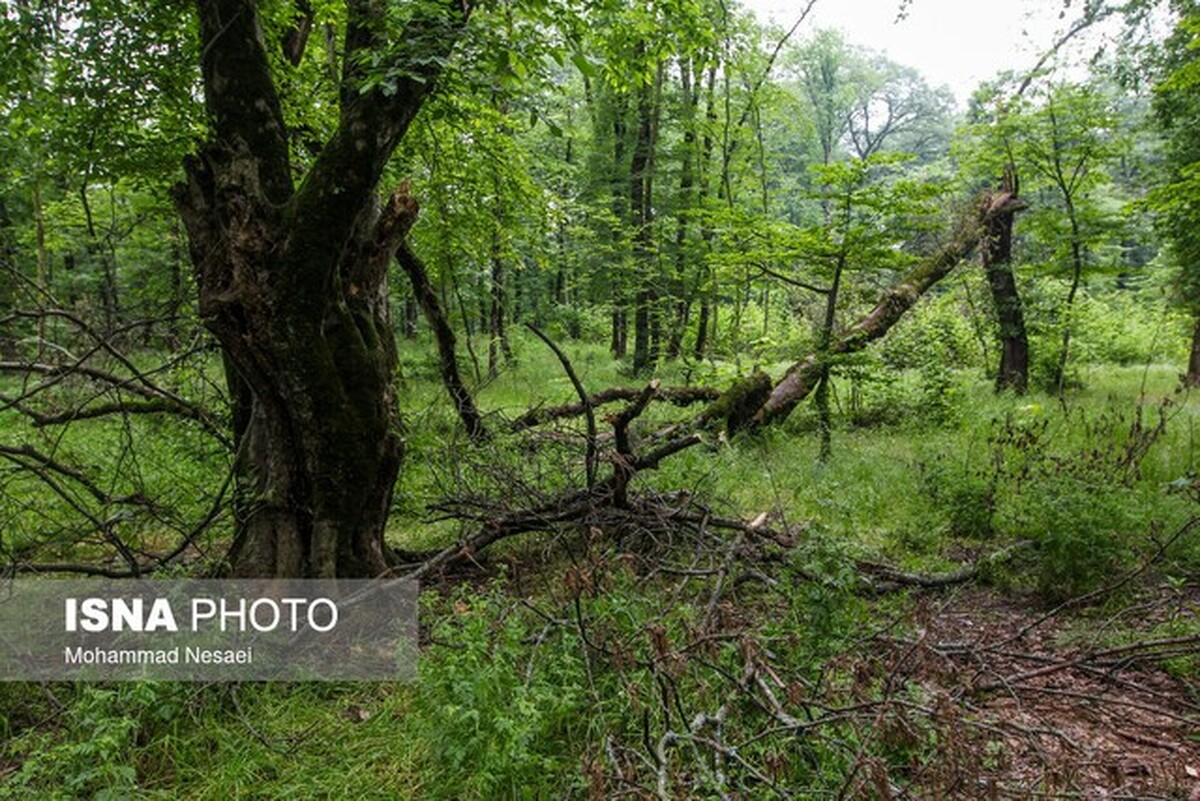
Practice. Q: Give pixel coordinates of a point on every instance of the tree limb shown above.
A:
(584, 399)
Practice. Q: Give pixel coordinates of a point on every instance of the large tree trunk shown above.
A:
(996, 253)
(293, 284)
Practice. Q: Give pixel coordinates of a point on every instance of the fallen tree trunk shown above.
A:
(750, 402)
(802, 377)
(677, 396)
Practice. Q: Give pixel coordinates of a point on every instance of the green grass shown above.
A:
(509, 707)
(164, 740)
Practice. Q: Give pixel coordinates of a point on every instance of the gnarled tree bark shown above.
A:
(293, 283)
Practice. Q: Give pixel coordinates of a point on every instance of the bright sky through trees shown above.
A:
(954, 42)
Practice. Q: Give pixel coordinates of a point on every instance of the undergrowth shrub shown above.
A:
(1084, 533)
(967, 496)
(929, 394)
(1073, 488)
(91, 755)
(496, 715)
(937, 330)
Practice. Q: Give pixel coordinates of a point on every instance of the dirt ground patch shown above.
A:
(1030, 706)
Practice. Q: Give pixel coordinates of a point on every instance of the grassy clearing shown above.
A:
(570, 679)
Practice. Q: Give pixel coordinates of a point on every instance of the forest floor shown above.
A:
(1068, 720)
(754, 626)
(1058, 675)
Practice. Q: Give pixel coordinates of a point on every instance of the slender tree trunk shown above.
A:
(1060, 377)
(996, 255)
(702, 328)
(43, 261)
(497, 338)
(619, 344)
(108, 278)
(8, 279)
(619, 190)
(476, 371)
(443, 334)
(825, 421)
(1192, 378)
(687, 201)
(498, 342)
(641, 182)
(679, 323)
(704, 321)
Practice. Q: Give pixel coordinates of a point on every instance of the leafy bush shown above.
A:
(497, 716)
(1074, 491)
(929, 396)
(935, 332)
(93, 758)
(967, 496)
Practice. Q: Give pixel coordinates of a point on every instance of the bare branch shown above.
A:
(584, 399)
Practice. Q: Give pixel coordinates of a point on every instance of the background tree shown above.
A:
(1178, 202)
(1067, 142)
(871, 213)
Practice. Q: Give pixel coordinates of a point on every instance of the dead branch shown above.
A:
(26, 456)
(624, 458)
(104, 343)
(585, 403)
(677, 396)
(443, 334)
(137, 568)
(574, 507)
(157, 406)
(892, 579)
(1112, 587)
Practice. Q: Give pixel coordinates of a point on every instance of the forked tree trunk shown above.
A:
(311, 373)
(293, 284)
